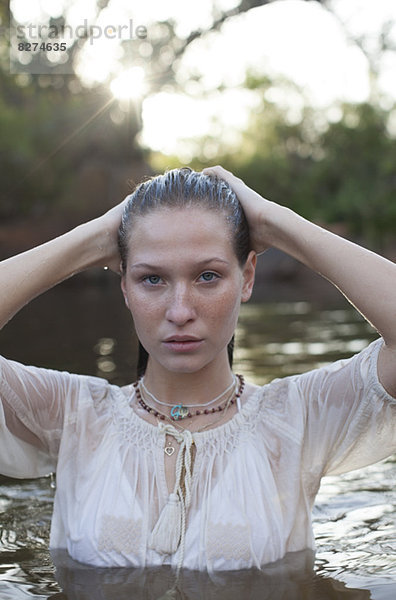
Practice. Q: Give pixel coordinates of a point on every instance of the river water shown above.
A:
(84, 327)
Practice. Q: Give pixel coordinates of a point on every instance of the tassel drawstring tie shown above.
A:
(170, 530)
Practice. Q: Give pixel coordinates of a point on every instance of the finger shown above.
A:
(223, 174)
(217, 170)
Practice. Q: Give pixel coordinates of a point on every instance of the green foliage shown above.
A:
(49, 135)
(332, 172)
(29, 125)
(355, 181)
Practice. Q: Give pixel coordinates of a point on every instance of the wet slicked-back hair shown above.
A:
(179, 189)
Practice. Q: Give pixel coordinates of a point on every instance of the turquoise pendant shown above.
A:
(179, 412)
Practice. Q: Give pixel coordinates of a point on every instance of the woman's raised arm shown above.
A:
(366, 279)
(27, 275)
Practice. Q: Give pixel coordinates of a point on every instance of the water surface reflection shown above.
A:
(292, 578)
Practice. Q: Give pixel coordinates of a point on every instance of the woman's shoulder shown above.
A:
(100, 389)
(353, 378)
(270, 401)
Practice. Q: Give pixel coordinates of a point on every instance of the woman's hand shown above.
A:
(108, 244)
(257, 209)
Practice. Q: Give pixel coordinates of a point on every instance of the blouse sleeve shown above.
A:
(350, 418)
(32, 402)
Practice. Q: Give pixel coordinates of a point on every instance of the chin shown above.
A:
(186, 365)
(184, 368)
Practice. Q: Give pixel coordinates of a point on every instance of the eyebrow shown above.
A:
(197, 264)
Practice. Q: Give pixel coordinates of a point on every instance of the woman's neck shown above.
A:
(188, 388)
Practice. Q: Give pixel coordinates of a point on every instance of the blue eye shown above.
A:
(209, 276)
(152, 279)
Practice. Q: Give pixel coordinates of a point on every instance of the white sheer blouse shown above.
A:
(254, 480)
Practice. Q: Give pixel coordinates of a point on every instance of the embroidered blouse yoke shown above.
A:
(254, 480)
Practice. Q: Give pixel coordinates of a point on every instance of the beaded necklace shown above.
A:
(179, 412)
(172, 405)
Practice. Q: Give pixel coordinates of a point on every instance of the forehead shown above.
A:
(189, 231)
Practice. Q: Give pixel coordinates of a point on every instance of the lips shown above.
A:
(182, 343)
(182, 338)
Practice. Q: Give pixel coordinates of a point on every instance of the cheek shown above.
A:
(143, 309)
(224, 309)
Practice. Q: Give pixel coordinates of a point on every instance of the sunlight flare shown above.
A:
(129, 84)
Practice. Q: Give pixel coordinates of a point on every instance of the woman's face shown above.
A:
(183, 285)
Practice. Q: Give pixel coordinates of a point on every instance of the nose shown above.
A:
(180, 309)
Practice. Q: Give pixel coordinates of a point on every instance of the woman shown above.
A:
(191, 465)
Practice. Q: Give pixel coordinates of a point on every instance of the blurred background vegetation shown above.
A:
(69, 147)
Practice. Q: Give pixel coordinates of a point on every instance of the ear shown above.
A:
(248, 274)
(124, 291)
